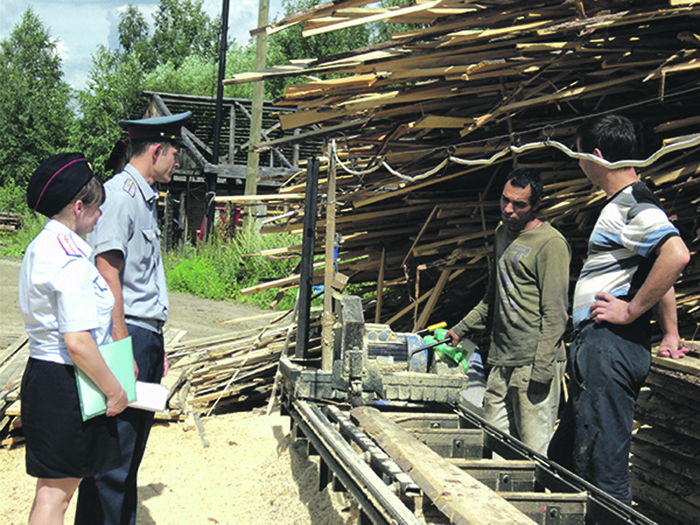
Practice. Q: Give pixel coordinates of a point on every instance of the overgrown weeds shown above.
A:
(13, 244)
(218, 269)
(222, 267)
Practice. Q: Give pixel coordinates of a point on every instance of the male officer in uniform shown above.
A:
(126, 243)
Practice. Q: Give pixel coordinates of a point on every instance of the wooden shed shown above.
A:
(186, 198)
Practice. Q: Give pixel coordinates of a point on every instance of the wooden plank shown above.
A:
(669, 503)
(680, 419)
(432, 301)
(384, 15)
(687, 365)
(459, 496)
(14, 347)
(671, 450)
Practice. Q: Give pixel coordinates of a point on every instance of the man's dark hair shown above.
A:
(613, 135)
(522, 177)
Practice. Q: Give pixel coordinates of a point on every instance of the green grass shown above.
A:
(13, 244)
(219, 269)
(13, 199)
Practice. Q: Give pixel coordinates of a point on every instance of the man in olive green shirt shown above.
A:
(526, 307)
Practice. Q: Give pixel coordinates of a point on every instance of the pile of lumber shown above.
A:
(9, 221)
(666, 449)
(470, 80)
(214, 373)
(205, 375)
(12, 362)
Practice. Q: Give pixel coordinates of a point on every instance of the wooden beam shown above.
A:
(463, 499)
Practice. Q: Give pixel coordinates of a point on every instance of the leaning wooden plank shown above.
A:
(316, 11)
(14, 347)
(434, 296)
(385, 15)
(458, 495)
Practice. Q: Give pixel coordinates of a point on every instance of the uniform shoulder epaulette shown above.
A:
(130, 187)
(69, 246)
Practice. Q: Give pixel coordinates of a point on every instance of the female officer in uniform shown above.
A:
(66, 306)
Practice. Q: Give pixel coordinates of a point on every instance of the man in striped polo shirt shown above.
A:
(634, 256)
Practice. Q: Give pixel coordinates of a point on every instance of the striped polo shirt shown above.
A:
(622, 247)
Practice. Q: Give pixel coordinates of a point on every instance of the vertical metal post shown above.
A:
(307, 259)
(211, 177)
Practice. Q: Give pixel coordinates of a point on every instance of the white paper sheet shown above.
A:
(150, 396)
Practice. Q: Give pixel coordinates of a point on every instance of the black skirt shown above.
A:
(59, 444)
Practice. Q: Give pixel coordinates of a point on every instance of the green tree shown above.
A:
(35, 101)
(381, 31)
(133, 28)
(182, 29)
(113, 92)
(134, 38)
(198, 75)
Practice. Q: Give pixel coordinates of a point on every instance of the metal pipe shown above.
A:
(307, 259)
(211, 177)
(380, 504)
(378, 457)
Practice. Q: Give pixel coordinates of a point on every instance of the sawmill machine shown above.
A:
(387, 415)
(373, 364)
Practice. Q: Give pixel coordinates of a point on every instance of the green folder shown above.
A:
(119, 357)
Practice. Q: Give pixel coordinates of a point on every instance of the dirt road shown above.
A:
(250, 474)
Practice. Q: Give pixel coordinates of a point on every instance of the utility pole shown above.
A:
(211, 177)
(251, 179)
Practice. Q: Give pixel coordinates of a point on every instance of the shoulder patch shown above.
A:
(130, 187)
(69, 247)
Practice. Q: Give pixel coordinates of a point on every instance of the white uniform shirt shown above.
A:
(129, 224)
(61, 291)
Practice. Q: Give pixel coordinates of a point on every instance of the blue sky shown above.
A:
(79, 26)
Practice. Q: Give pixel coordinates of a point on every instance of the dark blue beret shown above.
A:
(156, 128)
(56, 181)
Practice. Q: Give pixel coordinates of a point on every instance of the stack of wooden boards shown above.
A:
(666, 449)
(204, 374)
(12, 362)
(466, 81)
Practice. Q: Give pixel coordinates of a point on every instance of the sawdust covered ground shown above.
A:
(250, 474)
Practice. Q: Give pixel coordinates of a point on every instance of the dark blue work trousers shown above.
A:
(607, 366)
(111, 498)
